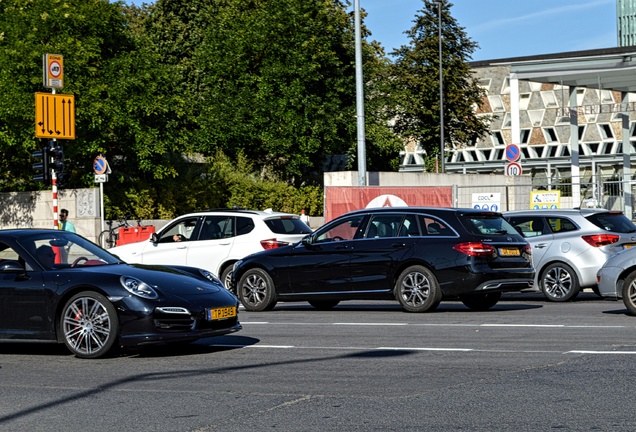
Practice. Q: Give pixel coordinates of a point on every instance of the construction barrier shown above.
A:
(128, 235)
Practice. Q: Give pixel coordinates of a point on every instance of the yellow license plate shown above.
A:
(221, 313)
(630, 245)
(509, 252)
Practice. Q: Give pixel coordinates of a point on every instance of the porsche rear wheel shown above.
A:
(89, 325)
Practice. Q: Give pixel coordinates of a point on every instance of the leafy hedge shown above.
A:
(217, 182)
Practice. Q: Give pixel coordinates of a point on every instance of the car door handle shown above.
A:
(182, 247)
(340, 247)
(541, 245)
(398, 245)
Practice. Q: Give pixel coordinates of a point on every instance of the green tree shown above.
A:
(279, 83)
(416, 83)
(114, 80)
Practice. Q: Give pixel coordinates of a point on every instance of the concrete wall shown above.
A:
(514, 190)
(35, 210)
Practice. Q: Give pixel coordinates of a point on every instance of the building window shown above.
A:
(524, 101)
(484, 83)
(536, 117)
(550, 135)
(507, 122)
(505, 88)
(606, 97)
(496, 103)
(605, 130)
(549, 99)
(525, 136)
(497, 138)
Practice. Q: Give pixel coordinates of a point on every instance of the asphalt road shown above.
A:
(525, 365)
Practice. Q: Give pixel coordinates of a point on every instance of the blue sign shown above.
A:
(513, 153)
(100, 165)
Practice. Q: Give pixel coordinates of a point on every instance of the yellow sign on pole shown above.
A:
(54, 116)
(53, 65)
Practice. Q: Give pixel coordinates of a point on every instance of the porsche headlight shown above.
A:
(210, 276)
(138, 288)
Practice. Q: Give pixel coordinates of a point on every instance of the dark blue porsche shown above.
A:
(57, 286)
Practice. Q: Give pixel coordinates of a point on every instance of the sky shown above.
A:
(503, 28)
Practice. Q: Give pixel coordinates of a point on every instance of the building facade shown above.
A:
(626, 22)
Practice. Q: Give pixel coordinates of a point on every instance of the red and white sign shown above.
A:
(53, 65)
(513, 152)
(513, 169)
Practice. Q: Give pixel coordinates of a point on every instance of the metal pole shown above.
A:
(441, 87)
(362, 156)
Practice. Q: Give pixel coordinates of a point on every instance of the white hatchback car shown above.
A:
(570, 245)
(215, 239)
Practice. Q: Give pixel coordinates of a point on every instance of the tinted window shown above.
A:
(384, 226)
(244, 225)
(346, 229)
(434, 227)
(486, 224)
(529, 226)
(287, 225)
(410, 227)
(216, 227)
(180, 231)
(615, 222)
(559, 225)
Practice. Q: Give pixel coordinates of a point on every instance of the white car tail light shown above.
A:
(272, 244)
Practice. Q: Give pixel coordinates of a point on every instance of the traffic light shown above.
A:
(44, 174)
(57, 156)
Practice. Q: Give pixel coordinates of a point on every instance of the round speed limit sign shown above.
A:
(513, 169)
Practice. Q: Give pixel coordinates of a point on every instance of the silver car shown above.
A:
(570, 246)
(617, 279)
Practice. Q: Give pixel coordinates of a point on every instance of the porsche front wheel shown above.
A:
(89, 325)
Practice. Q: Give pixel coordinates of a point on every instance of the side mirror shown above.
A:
(10, 266)
(307, 240)
(154, 238)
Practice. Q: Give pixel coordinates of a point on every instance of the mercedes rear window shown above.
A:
(486, 224)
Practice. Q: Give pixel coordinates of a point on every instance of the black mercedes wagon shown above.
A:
(419, 256)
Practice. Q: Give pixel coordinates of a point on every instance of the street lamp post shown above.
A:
(362, 155)
(441, 87)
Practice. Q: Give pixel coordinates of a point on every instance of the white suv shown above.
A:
(215, 239)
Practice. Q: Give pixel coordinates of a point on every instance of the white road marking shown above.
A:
(427, 349)
(375, 324)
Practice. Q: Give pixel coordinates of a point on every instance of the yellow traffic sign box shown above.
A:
(54, 116)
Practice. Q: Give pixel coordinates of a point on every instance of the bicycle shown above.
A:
(108, 238)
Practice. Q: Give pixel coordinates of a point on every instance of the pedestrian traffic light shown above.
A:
(43, 172)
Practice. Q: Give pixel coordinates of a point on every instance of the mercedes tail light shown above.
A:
(272, 244)
(598, 240)
(475, 249)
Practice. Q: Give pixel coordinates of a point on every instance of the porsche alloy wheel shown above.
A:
(89, 325)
